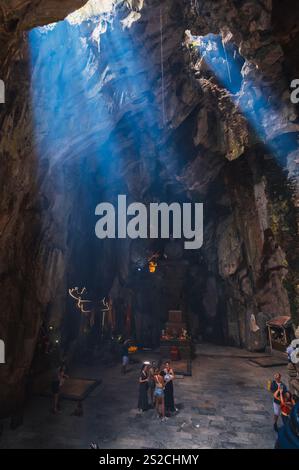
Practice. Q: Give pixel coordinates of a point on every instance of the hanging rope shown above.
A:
(162, 67)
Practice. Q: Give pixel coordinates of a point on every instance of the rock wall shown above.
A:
(59, 158)
(31, 266)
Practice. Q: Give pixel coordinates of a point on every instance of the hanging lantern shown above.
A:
(152, 266)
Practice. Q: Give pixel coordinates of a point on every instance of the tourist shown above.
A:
(286, 403)
(159, 394)
(277, 385)
(57, 382)
(169, 393)
(151, 383)
(125, 356)
(143, 388)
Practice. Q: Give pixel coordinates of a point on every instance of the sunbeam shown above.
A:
(267, 116)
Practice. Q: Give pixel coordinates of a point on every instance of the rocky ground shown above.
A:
(224, 404)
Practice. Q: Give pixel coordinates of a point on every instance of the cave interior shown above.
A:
(161, 101)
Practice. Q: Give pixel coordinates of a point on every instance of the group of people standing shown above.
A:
(156, 389)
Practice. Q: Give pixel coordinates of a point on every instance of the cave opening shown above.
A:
(131, 153)
(218, 56)
(122, 98)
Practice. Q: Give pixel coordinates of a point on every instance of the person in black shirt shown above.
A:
(276, 385)
(143, 388)
(169, 377)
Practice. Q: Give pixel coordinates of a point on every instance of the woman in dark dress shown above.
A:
(143, 388)
(169, 395)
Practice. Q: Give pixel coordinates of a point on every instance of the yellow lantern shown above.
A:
(152, 266)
